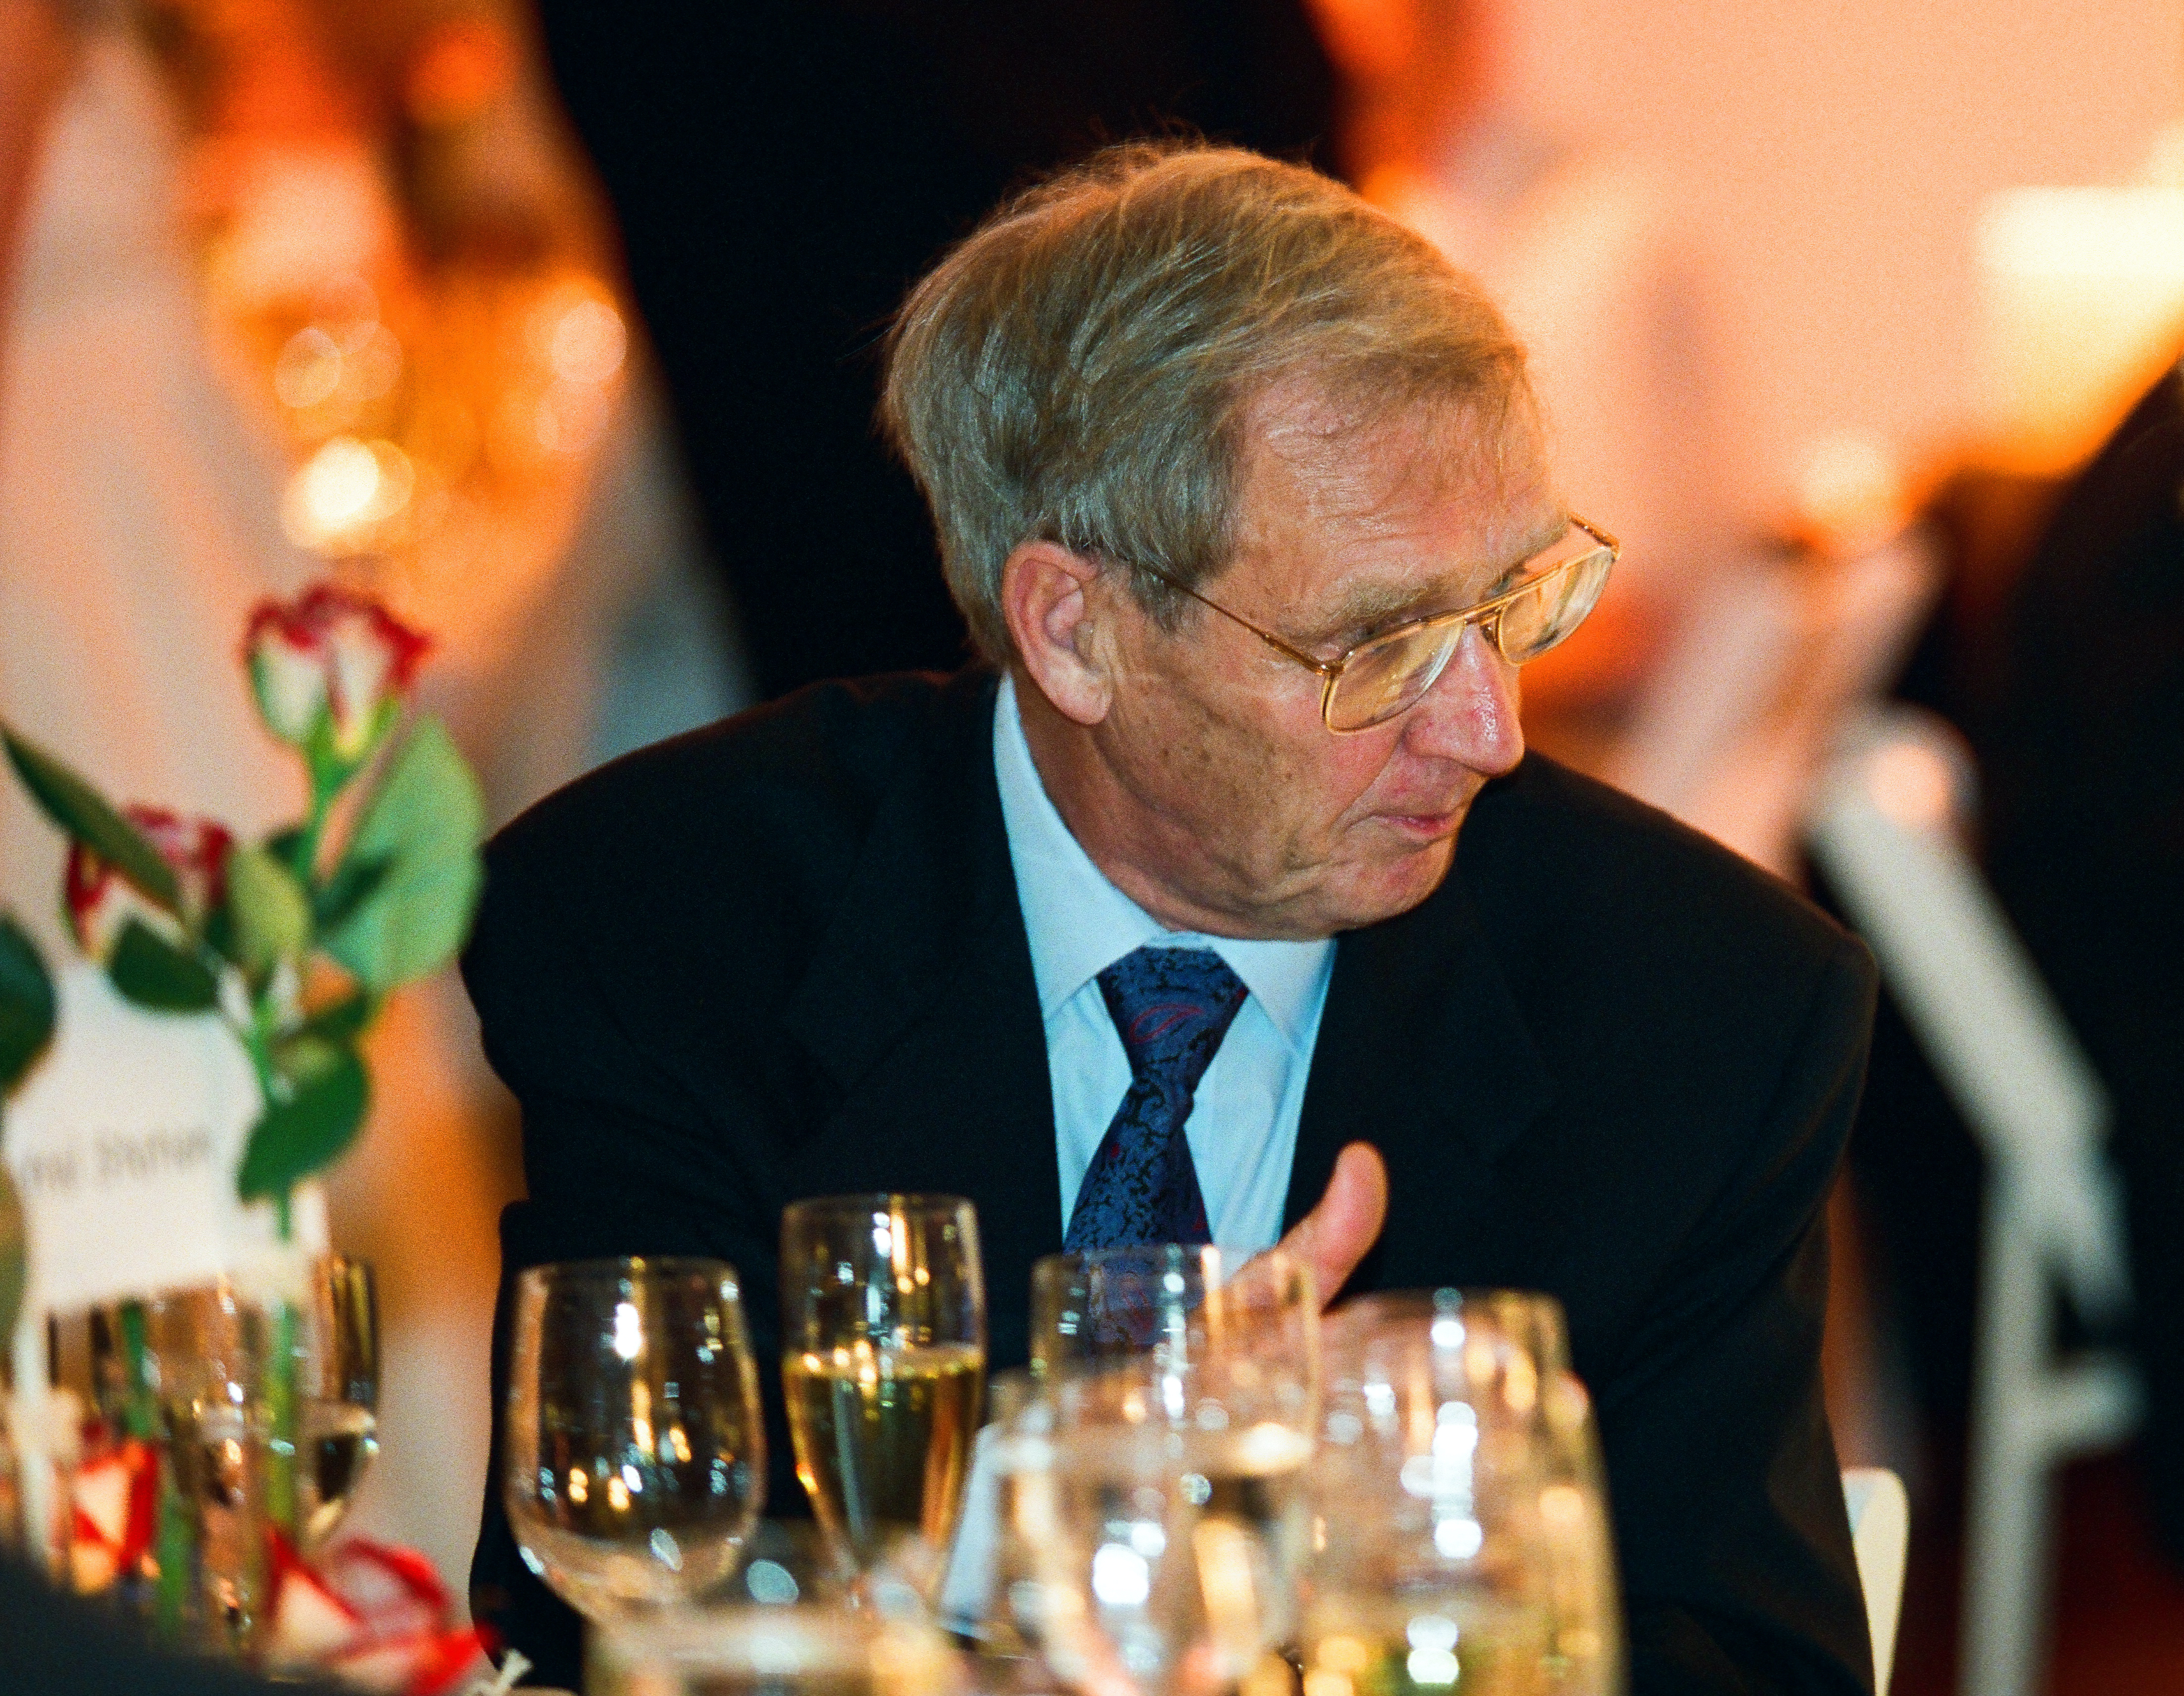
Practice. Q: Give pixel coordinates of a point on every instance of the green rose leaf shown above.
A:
(81, 812)
(270, 913)
(424, 820)
(352, 883)
(287, 847)
(27, 1004)
(14, 1254)
(308, 1132)
(153, 973)
(344, 1021)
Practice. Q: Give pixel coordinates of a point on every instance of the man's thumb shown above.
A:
(1336, 1234)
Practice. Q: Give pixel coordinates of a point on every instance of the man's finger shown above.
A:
(1335, 1235)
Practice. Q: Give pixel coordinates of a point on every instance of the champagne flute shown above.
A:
(884, 1365)
(635, 1455)
(1167, 1515)
(339, 1383)
(209, 1349)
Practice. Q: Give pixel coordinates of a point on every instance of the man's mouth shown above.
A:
(1425, 827)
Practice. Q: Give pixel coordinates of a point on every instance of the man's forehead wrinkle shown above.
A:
(1513, 537)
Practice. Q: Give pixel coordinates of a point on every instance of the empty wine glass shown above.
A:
(635, 1458)
(1160, 1485)
(884, 1365)
(338, 1383)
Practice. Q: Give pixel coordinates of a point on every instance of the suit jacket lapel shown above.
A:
(920, 1006)
(1423, 1052)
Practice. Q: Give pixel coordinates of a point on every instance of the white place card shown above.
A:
(124, 1143)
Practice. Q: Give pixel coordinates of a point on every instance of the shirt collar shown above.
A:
(1078, 924)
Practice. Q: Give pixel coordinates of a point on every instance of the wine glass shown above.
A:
(338, 1383)
(1587, 1654)
(635, 1455)
(1160, 1481)
(1452, 1530)
(884, 1365)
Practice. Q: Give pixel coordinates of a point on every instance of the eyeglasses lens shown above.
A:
(1388, 677)
(1553, 607)
(1384, 677)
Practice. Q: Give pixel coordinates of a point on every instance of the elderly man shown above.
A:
(1240, 489)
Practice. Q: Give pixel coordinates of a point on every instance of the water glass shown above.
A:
(883, 1365)
(634, 1455)
(1158, 1483)
(1462, 1542)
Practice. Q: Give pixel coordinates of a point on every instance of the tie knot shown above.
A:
(1171, 1006)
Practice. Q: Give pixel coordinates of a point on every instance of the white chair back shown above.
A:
(1881, 1535)
(1884, 826)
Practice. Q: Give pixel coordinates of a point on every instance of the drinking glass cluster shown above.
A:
(1405, 1499)
(1199, 1486)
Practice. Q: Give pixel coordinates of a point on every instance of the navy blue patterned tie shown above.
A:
(1172, 1007)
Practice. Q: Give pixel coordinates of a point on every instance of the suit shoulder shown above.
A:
(1553, 855)
(808, 769)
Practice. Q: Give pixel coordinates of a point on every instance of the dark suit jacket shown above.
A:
(783, 957)
(56, 1644)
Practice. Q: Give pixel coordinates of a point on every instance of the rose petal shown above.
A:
(101, 1497)
(311, 1623)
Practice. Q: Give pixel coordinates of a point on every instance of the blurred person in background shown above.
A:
(783, 170)
(1599, 277)
(2083, 763)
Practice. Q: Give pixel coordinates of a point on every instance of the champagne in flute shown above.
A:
(883, 1365)
(896, 1427)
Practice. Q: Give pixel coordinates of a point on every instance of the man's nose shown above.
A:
(1471, 713)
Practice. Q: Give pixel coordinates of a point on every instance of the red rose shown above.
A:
(335, 663)
(100, 901)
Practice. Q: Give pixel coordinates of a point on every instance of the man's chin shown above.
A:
(1391, 886)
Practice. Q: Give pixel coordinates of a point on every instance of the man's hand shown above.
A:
(1335, 1235)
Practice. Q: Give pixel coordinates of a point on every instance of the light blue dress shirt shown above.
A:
(1243, 1124)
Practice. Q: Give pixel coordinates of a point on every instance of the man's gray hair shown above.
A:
(1078, 369)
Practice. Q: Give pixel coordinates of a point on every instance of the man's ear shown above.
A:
(1051, 599)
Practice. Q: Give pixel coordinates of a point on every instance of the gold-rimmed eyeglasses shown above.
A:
(1390, 673)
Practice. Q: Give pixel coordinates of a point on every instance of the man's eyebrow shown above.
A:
(1364, 605)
